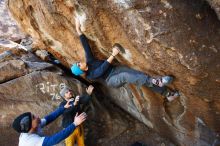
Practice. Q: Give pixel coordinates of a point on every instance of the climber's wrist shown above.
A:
(111, 58)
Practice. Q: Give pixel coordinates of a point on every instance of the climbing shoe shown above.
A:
(162, 81)
(167, 80)
(172, 95)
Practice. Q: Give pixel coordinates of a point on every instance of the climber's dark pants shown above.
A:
(121, 75)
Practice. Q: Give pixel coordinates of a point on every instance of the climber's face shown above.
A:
(68, 94)
(83, 66)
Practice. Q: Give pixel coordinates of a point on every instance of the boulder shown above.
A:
(36, 92)
(8, 26)
(11, 69)
(29, 84)
(160, 37)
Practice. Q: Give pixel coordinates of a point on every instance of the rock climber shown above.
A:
(78, 134)
(117, 76)
(30, 127)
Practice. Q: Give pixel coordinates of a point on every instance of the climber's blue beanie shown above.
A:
(76, 70)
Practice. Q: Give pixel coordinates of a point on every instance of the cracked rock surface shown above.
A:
(161, 37)
(26, 87)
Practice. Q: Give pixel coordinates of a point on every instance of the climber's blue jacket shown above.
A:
(97, 69)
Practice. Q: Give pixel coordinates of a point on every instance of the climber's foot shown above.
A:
(162, 81)
(119, 47)
(172, 96)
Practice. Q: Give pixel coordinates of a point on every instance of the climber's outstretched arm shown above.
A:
(84, 42)
(87, 49)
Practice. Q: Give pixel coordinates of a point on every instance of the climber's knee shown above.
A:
(115, 81)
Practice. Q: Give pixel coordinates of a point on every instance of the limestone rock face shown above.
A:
(161, 37)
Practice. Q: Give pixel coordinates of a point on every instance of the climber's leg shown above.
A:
(119, 69)
(70, 140)
(123, 75)
(159, 81)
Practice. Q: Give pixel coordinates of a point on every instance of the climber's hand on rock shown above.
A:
(77, 23)
(67, 105)
(79, 118)
(115, 51)
(76, 100)
(89, 89)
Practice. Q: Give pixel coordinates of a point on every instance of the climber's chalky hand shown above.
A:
(115, 51)
(78, 25)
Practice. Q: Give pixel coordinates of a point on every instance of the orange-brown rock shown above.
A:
(161, 37)
(36, 89)
(8, 27)
(215, 4)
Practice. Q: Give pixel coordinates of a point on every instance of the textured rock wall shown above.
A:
(161, 37)
(8, 27)
(29, 84)
(216, 6)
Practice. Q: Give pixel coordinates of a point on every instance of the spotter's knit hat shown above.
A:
(22, 124)
(64, 90)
